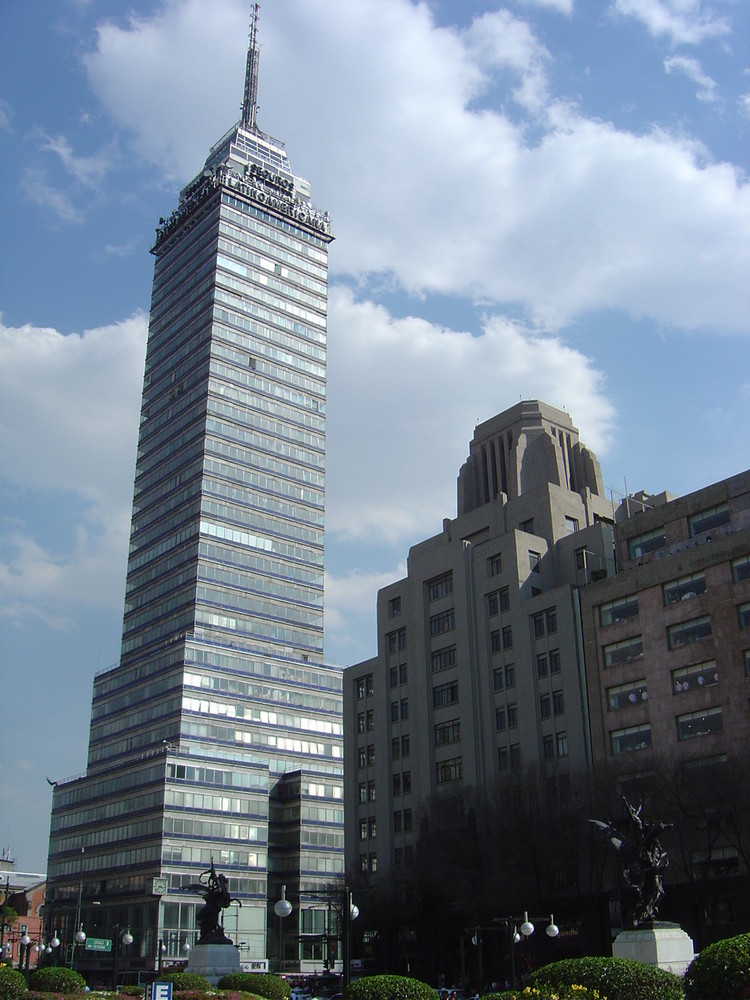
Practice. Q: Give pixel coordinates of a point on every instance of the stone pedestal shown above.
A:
(214, 961)
(662, 944)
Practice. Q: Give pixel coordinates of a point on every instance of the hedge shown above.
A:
(615, 978)
(721, 971)
(388, 988)
(182, 981)
(56, 979)
(12, 983)
(262, 984)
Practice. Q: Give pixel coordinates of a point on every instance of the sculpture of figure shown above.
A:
(215, 891)
(643, 860)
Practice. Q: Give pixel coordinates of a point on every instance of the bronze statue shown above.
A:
(643, 860)
(215, 891)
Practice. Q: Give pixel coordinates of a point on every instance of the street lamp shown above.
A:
(126, 938)
(526, 928)
(349, 912)
(282, 908)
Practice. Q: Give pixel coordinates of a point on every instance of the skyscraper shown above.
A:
(218, 734)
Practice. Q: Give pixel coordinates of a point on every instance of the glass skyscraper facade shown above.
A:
(218, 736)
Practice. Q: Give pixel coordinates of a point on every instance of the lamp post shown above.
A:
(517, 930)
(282, 908)
(349, 912)
(126, 938)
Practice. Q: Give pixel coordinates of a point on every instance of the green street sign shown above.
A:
(98, 944)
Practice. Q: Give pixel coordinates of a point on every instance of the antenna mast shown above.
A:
(250, 99)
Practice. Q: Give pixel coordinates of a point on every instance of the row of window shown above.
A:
(691, 678)
(689, 725)
(698, 524)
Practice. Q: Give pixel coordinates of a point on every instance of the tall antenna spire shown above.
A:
(250, 100)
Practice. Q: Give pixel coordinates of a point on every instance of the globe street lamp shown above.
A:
(526, 928)
(282, 908)
(124, 937)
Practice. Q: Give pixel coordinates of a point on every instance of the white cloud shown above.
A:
(561, 6)
(429, 189)
(396, 441)
(693, 70)
(68, 426)
(350, 602)
(684, 22)
(5, 113)
(89, 171)
(37, 188)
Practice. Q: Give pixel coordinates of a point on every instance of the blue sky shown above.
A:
(539, 199)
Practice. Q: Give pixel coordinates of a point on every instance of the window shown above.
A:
(402, 673)
(404, 708)
(407, 782)
(705, 520)
(373, 862)
(684, 633)
(495, 643)
(554, 661)
(503, 762)
(507, 637)
(746, 656)
(743, 613)
(364, 686)
(395, 748)
(741, 569)
(527, 526)
(445, 694)
(629, 739)
(361, 722)
(510, 676)
(363, 862)
(515, 756)
(448, 732)
(405, 745)
(449, 770)
(408, 824)
(394, 677)
(513, 716)
(441, 586)
(397, 641)
(545, 708)
(397, 822)
(494, 565)
(398, 857)
(370, 717)
(562, 744)
(619, 610)
(498, 601)
(371, 755)
(442, 622)
(373, 827)
(535, 559)
(362, 757)
(699, 723)
(363, 829)
(695, 677)
(545, 623)
(394, 607)
(650, 541)
(623, 652)
(497, 678)
(627, 695)
(581, 558)
(394, 711)
(571, 525)
(362, 792)
(396, 781)
(370, 791)
(548, 747)
(558, 703)
(541, 665)
(500, 722)
(684, 587)
(443, 658)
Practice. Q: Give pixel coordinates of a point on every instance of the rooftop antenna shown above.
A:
(250, 99)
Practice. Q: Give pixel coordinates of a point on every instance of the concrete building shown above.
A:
(221, 725)
(479, 671)
(668, 663)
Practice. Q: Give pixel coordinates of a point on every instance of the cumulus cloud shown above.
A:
(430, 188)
(68, 425)
(683, 22)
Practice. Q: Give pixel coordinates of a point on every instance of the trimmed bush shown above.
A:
(182, 981)
(721, 971)
(388, 988)
(614, 978)
(56, 979)
(131, 991)
(562, 992)
(12, 983)
(261, 983)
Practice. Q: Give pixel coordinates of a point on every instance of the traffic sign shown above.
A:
(158, 991)
(98, 944)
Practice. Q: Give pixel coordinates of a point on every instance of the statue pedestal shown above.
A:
(662, 944)
(214, 961)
